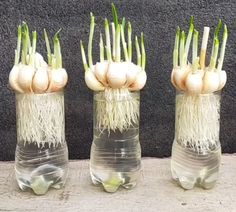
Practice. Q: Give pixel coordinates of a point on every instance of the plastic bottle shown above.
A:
(196, 151)
(41, 158)
(115, 158)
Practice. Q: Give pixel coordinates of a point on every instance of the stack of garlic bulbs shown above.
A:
(31, 73)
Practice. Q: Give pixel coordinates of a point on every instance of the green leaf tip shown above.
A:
(178, 30)
(115, 15)
(19, 30)
(177, 36)
(216, 41)
(83, 56)
(123, 23)
(225, 30)
(191, 20)
(56, 36)
(139, 56)
(49, 54)
(130, 41)
(143, 52)
(90, 43)
(218, 28)
(35, 35)
(183, 35)
(92, 17)
(18, 47)
(142, 37)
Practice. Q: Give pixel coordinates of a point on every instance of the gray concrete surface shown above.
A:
(155, 192)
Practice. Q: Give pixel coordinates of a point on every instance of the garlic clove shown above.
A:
(39, 61)
(13, 79)
(25, 77)
(173, 79)
(194, 82)
(116, 74)
(132, 73)
(139, 82)
(210, 81)
(58, 79)
(100, 71)
(222, 79)
(64, 76)
(92, 82)
(180, 77)
(40, 81)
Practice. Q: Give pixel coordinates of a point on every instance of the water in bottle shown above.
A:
(41, 167)
(192, 168)
(115, 158)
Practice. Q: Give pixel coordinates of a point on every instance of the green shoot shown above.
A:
(115, 15)
(17, 53)
(139, 59)
(215, 54)
(26, 30)
(189, 37)
(34, 42)
(216, 33)
(143, 52)
(16, 58)
(123, 23)
(33, 48)
(90, 43)
(124, 43)
(204, 47)
(57, 50)
(49, 54)
(24, 48)
(181, 50)
(113, 39)
(195, 65)
(54, 62)
(101, 45)
(108, 42)
(86, 68)
(114, 52)
(117, 56)
(195, 46)
(222, 50)
(176, 48)
(218, 28)
(129, 41)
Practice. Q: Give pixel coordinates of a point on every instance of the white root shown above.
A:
(197, 121)
(40, 118)
(116, 109)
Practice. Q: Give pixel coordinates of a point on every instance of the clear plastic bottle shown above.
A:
(115, 158)
(192, 168)
(196, 151)
(41, 158)
(39, 168)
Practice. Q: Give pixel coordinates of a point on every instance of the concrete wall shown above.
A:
(158, 20)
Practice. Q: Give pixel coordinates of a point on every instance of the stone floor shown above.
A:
(154, 192)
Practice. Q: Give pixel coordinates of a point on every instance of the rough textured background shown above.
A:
(158, 20)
